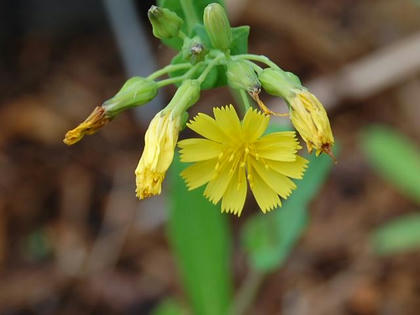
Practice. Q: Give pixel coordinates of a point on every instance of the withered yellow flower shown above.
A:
(306, 112)
(235, 151)
(311, 121)
(96, 120)
(160, 141)
(136, 91)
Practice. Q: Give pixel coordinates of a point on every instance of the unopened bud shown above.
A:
(241, 75)
(166, 23)
(193, 50)
(217, 26)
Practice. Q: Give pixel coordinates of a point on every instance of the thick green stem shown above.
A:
(190, 14)
(259, 58)
(167, 69)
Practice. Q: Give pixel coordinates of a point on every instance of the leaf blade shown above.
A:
(200, 237)
(394, 157)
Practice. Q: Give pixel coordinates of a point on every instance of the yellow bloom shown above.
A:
(235, 151)
(160, 141)
(96, 120)
(311, 121)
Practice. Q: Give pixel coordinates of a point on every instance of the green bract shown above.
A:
(241, 75)
(277, 82)
(136, 91)
(186, 96)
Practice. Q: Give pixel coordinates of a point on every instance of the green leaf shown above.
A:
(399, 235)
(169, 307)
(175, 6)
(268, 239)
(394, 157)
(240, 36)
(201, 240)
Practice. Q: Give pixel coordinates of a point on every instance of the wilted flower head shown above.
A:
(96, 120)
(311, 121)
(306, 112)
(136, 91)
(160, 141)
(235, 151)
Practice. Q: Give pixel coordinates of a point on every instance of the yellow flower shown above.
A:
(96, 120)
(160, 141)
(235, 151)
(311, 121)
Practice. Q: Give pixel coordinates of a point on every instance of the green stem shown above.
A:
(191, 17)
(256, 67)
(245, 100)
(259, 58)
(210, 66)
(167, 69)
(182, 35)
(247, 292)
(186, 75)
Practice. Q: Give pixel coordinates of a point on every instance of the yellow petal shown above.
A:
(278, 146)
(199, 174)
(267, 199)
(197, 149)
(227, 119)
(207, 127)
(279, 183)
(234, 198)
(293, 169)
(218, 185)
(254, 124)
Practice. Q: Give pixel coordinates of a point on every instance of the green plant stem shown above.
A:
(259, 58)
(245, 100)
(210, 66)
(256, 67)
(167, 69)
(247, 292)
(182, 35)
(191, 17)
(185, 76)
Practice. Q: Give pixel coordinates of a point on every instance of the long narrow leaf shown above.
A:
(200, 238)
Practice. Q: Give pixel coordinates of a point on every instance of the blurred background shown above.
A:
(75, 240)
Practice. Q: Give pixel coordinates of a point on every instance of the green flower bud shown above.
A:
(278, 82)
(241, 75)
(217, 26)
(185, 97)
(135, 91)
(166, 23)
(193, 50)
